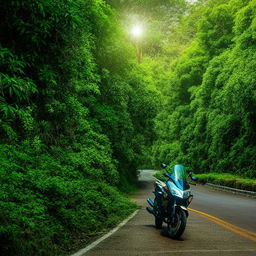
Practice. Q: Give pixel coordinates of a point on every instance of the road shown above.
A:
(204, 234)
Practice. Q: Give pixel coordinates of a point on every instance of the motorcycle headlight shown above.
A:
(177, 192)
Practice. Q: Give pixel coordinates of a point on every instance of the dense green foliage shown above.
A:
(79, 115)
(208, 119)
(75, 122)
(229, 180)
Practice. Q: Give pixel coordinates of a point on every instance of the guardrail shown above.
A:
(234, 190)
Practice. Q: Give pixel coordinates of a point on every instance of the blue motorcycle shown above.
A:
(172, 198)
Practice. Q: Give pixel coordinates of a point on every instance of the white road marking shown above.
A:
(111, 232)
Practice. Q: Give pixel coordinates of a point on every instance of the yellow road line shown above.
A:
(224, 222)
(241, 231)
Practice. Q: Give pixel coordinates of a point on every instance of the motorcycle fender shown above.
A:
(184, 209)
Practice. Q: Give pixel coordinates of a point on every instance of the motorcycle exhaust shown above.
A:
(151, 211)
(150, 202)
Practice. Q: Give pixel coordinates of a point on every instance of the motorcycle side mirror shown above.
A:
(163, 166)
(194, 178)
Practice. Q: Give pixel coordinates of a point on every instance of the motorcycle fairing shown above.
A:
(181, 184)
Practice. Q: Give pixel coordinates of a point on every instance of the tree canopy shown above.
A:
(208, 118)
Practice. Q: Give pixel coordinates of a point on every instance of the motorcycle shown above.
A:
(172, 198)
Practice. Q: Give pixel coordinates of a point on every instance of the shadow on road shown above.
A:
(163, 232)
(149, 226)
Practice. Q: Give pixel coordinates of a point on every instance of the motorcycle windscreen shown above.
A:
(179, 176)
(179, 172)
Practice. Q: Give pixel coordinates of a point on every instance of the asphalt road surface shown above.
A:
(219, 223)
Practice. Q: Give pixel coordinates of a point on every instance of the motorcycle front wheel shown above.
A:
(176, 228)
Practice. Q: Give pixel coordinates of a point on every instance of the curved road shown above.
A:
(208, 232)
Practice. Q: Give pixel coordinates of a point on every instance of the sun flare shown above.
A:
(137, 30)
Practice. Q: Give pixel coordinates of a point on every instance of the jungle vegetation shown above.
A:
(79, 115)
(208, 117)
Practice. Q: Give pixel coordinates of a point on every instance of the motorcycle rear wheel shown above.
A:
(158, 218)
(176, 229)
(158, 222)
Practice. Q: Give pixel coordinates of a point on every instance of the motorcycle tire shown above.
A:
(158, 219)
(158, 222)
(176, 229)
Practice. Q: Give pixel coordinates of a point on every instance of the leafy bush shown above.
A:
(45, 202)
(229, 180)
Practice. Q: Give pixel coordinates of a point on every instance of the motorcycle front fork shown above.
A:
(171, 215)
